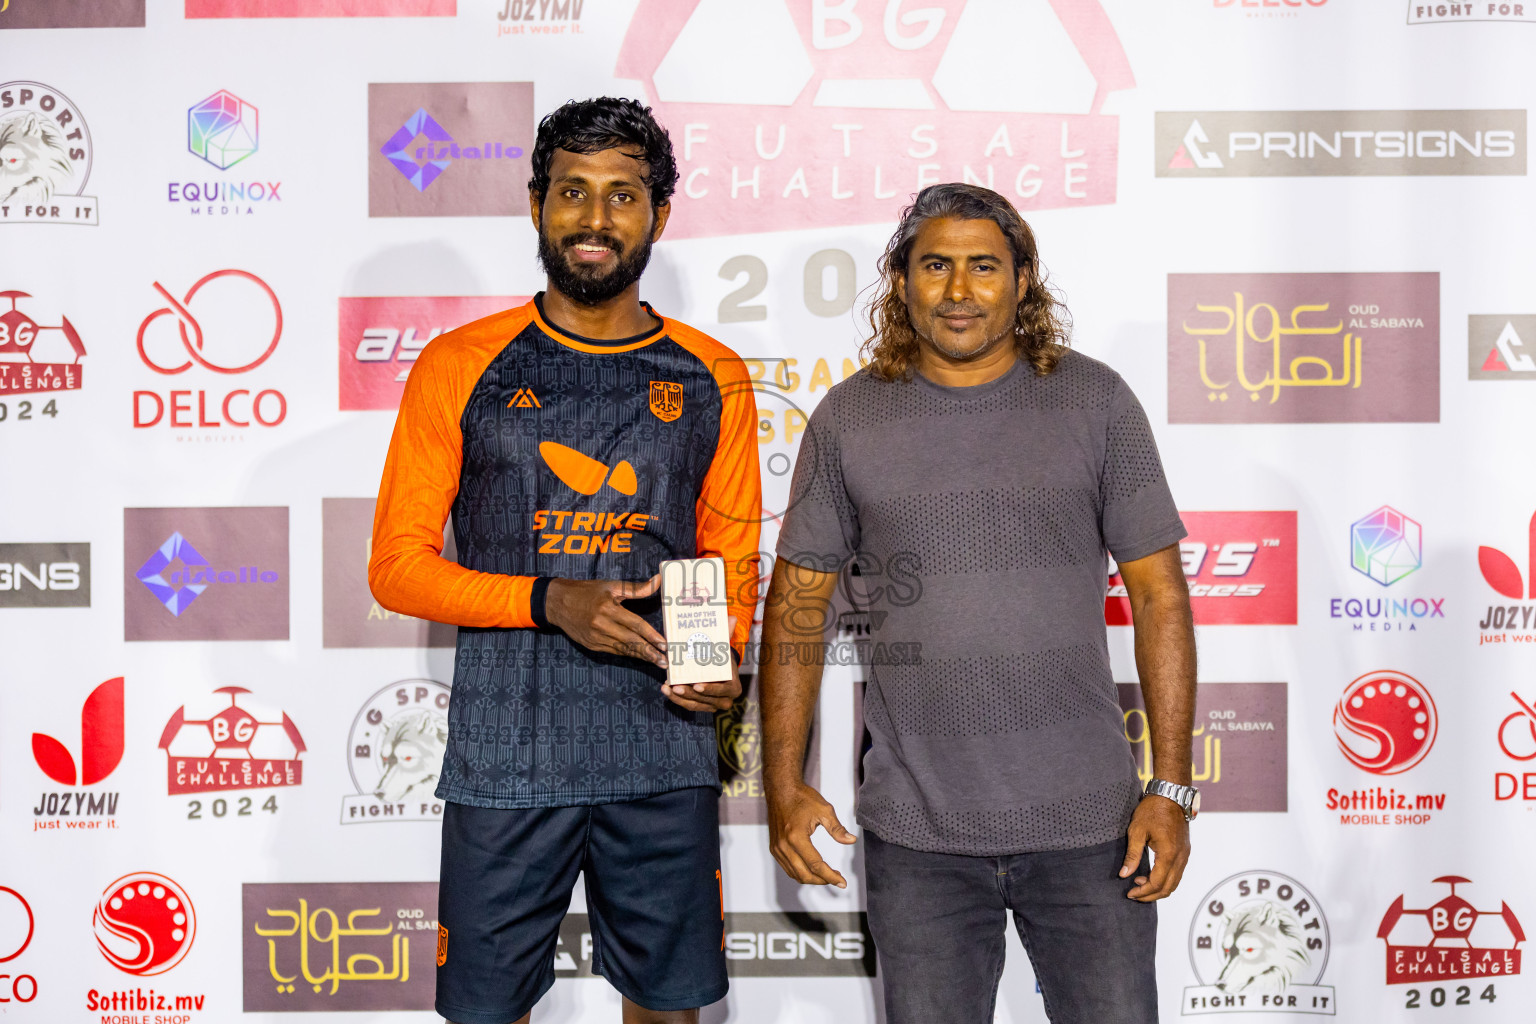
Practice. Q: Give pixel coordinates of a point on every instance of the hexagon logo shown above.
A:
(1386, 545)
(223, 129)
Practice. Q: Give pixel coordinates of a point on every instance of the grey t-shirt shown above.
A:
(986, 511)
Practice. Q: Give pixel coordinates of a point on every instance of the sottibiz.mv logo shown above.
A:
(1241, 568)
(1450, 940)
(144, 926)
(101, 750)
(787, 114)
(1503, 623)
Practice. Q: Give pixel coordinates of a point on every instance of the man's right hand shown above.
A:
(794, 812)
(591, 612)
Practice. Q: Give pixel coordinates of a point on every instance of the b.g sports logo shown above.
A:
(1241, 568)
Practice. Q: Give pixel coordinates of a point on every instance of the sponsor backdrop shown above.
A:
(230, 227)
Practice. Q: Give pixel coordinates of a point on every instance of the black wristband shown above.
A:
(536, 601)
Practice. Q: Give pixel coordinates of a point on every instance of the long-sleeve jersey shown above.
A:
(576, 458)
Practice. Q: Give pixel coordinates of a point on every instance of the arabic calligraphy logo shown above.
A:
(144, 924)
(308, 925)
(1385, 722)
(16, 924)
(1240, 325)
(1386, 545)
(193, 342)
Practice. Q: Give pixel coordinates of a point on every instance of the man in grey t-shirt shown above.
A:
(991, 468)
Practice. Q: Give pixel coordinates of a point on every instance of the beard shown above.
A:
(966, 350)
(589, 285)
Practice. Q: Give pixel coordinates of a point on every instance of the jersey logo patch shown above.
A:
(584, 474)
(666, 400)
(524, 398)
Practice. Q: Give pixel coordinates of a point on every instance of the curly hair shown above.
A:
(1042, 325)
(606, 122)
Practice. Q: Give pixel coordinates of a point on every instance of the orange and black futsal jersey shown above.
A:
(565, 457)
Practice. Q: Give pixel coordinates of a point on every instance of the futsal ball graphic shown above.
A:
(1385, 722)
(144, 923)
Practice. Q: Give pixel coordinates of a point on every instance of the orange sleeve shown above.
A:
(407, 571)
(730, 507)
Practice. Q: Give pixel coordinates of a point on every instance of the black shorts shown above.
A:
(652, 869)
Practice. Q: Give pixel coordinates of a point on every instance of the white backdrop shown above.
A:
(1118, 208)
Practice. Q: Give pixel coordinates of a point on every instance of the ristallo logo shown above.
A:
(381, 337)
(236, 329)
(1259, 944)
(1450, 941)
(1241, 568)
(45, 157)
(449, 149)
(1304, 348)
(231, 749)
(205, 574)
(32, 355)
(808, 112)
(1514, 622)
(223, 131)
(144, 924)
(1385, 723)
(1501, 347)
(1386, 546)
(100, 752)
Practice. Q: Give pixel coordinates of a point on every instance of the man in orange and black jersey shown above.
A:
(577, 442)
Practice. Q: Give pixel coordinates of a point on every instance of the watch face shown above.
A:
(1194, 807)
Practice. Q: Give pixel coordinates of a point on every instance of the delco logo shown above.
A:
(1241, 568)
(380, 339)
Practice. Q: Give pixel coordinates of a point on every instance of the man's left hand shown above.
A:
(708, 696)
(1159, 823)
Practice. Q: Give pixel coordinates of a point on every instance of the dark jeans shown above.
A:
(938, 922)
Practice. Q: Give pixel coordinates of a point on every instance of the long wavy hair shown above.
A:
(1042, 326)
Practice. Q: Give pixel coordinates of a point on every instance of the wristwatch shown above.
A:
(1187, 797)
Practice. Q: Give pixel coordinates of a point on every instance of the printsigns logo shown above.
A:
(836, 112)
(240, 324)
(1501, 347)
(1421, 13)
(1241, 568)
(144, 924)
(1239, 758)
(1385, 722)
(1449, 940)
(71, 14)
(23, 340)
(297, 955)
(395, 754)
(50, 575)
(45, 157)
(1303, 348)
(1503, 623)
(469, 134)
(1259, 944)
(231, 749)
(240, 562)
(1333, 143)
(380, 339)
(223, 129)
(321, 9)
